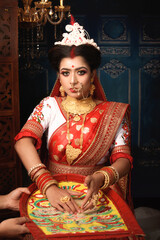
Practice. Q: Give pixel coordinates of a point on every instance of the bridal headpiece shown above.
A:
(76, 35)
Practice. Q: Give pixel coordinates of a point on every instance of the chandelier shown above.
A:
(32, 18)
(42, 12)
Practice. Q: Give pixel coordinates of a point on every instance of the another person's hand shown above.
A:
(62, 200)
(12, 199)
(93, 183)
(13, 227)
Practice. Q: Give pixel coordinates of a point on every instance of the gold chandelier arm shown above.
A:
(58, 22)
(30, 1)
(43, 18)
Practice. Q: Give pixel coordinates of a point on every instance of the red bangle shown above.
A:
(113, 174)
(32, 175)
(41, 178)
(45, 180)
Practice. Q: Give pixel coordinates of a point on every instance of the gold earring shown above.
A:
(92, 79)
(92, 88)
(62, 91)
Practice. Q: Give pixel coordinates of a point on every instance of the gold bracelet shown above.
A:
(34, 167)
(116, 174)
(51, 182)
(33, 176)
(106, 179)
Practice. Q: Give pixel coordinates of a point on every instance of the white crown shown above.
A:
(76, 36)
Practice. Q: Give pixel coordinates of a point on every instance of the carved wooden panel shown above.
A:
(115, 73)
(130, 72)
(114, 29)
(8, 176)
(6, 139)
(114, 42)
(149, 85)
(6, 86)
(10, 170)
(5, 32)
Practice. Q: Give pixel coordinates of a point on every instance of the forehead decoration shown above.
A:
(76, 36)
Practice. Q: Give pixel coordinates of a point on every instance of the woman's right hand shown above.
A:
(55, 196)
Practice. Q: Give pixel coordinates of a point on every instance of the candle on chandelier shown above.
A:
(61, 3)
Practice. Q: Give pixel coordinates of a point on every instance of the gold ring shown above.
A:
(95, 199)
(65, 199)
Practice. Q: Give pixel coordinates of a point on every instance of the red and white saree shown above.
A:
(106, 137)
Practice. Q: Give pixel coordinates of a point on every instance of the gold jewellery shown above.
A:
(65, 199)
(71, 152)
(76, 108)
(62, 91)
(111, 176)
(95, 199)
(91, 90)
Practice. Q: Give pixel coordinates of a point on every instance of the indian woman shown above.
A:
(86, 134)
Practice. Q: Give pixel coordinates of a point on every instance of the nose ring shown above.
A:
(73, 82)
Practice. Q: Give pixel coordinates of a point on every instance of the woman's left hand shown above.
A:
(93, 183)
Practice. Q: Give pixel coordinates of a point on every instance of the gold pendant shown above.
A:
(72, 153)
(77, 118)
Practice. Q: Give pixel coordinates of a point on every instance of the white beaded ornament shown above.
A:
(76, 36)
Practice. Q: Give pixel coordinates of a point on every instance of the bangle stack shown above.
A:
(116, 174)
(34, 175)
(35, 167)
(43, 179)
(106, 178)
(111, 176)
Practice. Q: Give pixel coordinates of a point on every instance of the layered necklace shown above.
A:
(76, 108)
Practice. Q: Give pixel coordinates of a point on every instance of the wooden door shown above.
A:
(130, 73)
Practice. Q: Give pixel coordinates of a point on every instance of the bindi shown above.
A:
(72, 66)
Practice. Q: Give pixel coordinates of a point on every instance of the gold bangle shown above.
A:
(35, 177)
(94, 199)
(116, 174)
(34, 167)
(51, 182)
(106, 179)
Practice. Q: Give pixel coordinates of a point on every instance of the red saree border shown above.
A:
(59, 101)
(110, 122)
(122, 148)
(27, 133)
(134, 229)
(32, 129)
(57, 168)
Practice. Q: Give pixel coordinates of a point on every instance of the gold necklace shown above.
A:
(71, 152)
(77, 108)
